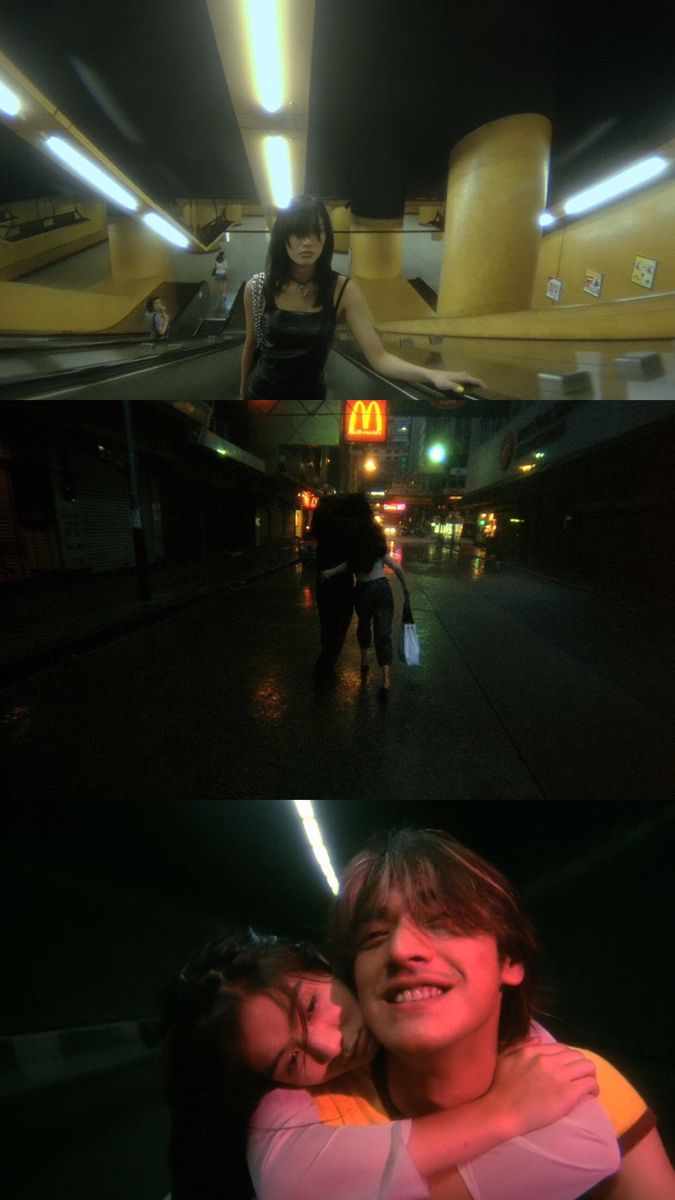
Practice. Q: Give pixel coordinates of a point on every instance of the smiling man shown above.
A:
(443, 961)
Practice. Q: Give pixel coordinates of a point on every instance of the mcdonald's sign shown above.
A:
(365, 421)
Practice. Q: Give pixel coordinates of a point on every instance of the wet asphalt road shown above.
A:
(528, 690)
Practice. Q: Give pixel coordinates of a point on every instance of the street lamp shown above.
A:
(437, 453)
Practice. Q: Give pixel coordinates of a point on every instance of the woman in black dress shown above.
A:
(292, 311)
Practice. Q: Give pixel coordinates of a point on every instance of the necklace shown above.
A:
(304, 288)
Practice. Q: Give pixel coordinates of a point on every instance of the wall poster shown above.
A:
(553, 288)
(644, 270)
(593, 282)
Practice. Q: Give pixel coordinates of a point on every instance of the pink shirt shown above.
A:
(292, 1156)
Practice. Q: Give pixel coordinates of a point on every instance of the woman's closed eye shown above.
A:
(293, 1064)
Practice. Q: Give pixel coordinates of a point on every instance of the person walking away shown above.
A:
(373, 598)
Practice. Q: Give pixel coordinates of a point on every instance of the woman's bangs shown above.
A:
(306, 224)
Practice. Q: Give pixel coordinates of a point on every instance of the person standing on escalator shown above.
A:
(292, 310)
(219, 273)
(156, 318)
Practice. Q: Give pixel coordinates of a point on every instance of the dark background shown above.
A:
(394, 86)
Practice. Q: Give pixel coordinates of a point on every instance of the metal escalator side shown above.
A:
(200, 368)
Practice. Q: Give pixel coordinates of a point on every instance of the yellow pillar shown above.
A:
(136, 252)
(377, 247)
(496, 191)
(340, 219)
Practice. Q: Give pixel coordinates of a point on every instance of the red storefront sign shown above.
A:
(365, 421)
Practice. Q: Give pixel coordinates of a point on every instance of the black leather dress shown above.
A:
(293, 351)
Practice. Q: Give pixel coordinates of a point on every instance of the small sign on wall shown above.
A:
(553, 288)
(593, 282)
(644, 270)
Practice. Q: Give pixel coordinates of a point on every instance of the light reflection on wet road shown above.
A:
(527, 689)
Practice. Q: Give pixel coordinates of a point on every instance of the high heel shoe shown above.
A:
(383, 695)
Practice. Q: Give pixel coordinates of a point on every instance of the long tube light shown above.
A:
(305, 810)
(616, 185)
(9, 101)
(278, 162)
(166, 230)
(87, 170)
(266, 52)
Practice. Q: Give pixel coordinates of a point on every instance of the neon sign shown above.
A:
(365, 421)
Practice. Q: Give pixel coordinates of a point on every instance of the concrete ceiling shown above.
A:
(394, 85)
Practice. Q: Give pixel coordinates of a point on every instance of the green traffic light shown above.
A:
(437, 453)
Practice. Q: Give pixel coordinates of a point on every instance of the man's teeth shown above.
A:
(418, 993)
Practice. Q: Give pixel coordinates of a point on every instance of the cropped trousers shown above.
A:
(374, 604)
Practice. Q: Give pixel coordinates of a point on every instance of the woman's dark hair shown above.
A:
(305, 214)
(150, 302)
(436, 876)
(335, 510)
(211, 1091)
(365, 539)
(220, 256)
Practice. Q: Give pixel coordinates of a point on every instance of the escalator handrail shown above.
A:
(97, 372)
(65, 342)
(428, 393)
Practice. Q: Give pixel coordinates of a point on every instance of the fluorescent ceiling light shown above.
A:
(266, 52)
(546, 219)
(616, 185)
(278, 160)
(166, 230)
(9, 102)
(90, 173)
(305, 810)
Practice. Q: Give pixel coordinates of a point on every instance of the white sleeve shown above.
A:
(560, 1162)
(292, 1156)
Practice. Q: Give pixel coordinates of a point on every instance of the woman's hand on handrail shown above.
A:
(453, 381)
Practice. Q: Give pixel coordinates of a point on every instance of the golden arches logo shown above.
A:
(366, 420)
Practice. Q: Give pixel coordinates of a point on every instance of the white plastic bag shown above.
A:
(408, 642)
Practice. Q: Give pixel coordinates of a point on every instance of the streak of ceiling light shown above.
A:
(305, 810)
(266, 50)
(49, 131)
(166, 230)
(616, 185)
(92, 174)
(278, 159)
(9, 101)
(265, 47)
